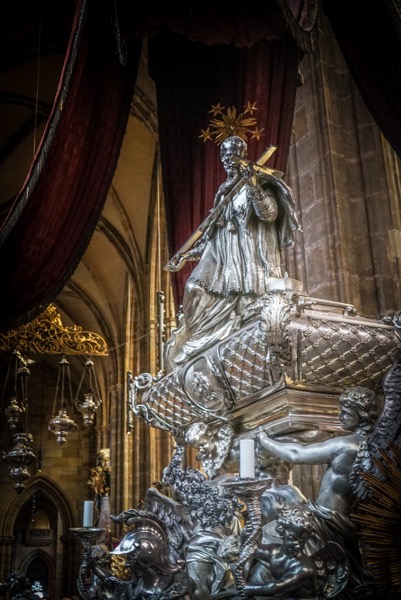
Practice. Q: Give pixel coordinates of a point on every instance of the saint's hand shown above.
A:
(250, 175)
(177, 262)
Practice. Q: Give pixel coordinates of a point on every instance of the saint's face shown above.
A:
(229, 149)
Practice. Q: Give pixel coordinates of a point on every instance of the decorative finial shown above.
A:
(227, 122)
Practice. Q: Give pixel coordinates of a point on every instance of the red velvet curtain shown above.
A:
(52, 220)
(369, 35)
(190, 77)
(227, 22)
(200, 53)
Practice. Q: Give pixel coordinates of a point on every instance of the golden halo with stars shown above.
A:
(228, 121)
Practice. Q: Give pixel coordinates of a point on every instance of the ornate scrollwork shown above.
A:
(47, 335)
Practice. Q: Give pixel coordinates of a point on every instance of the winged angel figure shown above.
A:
(386, 433)
(351, 459)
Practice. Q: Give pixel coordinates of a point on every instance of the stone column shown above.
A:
(346, 181)
(6, 556)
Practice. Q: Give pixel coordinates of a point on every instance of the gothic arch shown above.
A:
(37, 553)
(47, 487)
(50, 563)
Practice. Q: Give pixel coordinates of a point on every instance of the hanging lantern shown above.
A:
(21, 455)
(23, 373)
(14, 411)
(19, 458)
(61, 424)
(91, 398)
(18, 406)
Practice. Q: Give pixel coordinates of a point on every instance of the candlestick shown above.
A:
(250, 491)
(88, 514)
(247, 459)
(87, 536)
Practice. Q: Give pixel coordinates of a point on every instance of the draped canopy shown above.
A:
(200, 53)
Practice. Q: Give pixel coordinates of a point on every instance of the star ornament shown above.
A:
(216, 109)
(227, 122)
(206, 135)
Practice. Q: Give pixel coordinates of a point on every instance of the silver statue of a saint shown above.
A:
(239, 253)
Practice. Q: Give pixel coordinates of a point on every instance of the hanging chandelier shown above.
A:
(14, 411)
(19, 458)
(91, 400)
(21, 455)
(46, 334)
(18, 405)
(61, 424)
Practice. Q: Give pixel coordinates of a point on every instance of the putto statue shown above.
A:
(336, 498)
(358, 414)
(255, 372)
(284, 567)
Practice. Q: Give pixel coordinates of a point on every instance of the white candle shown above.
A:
(247, 459)
(88, 513)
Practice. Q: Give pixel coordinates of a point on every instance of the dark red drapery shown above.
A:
(232, 54)
(229, 53)
(190, 77)
(369, 35)
(53, 218)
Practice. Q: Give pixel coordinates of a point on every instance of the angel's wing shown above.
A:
(333, 568)
(387, 430)
(389, 425)
(172, 515)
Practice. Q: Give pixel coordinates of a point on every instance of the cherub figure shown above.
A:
(283, 568)
(213, 447)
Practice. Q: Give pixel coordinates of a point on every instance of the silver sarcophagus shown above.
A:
(283, 368)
